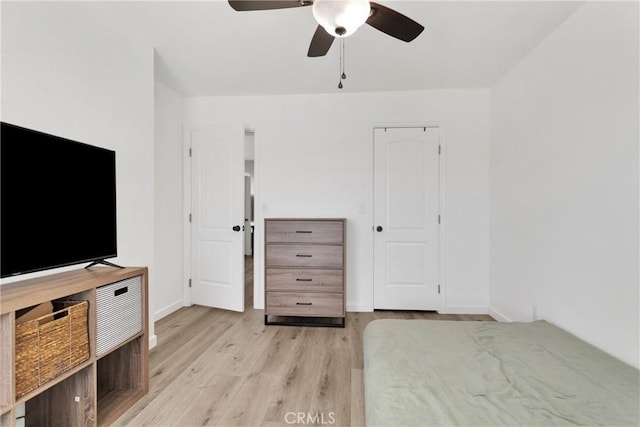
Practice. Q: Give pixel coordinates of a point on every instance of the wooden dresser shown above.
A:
(305, 271)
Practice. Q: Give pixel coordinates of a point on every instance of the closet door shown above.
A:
(406, 205)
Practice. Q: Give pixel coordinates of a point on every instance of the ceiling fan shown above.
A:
(341, 18)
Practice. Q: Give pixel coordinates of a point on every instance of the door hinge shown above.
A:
(190, 152)
(439, 149)
(190, 284)
(438, 218)
(189, 217)
(438, 288)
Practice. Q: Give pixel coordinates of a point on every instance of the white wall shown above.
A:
(168, 286)
(564, 181)
(65, 72)
(313, 158)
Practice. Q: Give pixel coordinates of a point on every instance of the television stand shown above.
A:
(103, 262)
(96, 392)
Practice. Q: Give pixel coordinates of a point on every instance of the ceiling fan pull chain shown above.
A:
(340, 83)
(344, 60)
(341, 69)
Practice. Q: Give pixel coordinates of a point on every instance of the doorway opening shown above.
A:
(249, 216)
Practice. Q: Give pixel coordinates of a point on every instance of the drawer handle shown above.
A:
(304, 280)
(120, 291)
(304, 256)
(304, 232)
(304, 303)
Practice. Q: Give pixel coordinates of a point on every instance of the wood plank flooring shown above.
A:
(222, 368)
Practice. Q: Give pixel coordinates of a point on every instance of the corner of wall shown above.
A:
(498, 316)
(153, 341)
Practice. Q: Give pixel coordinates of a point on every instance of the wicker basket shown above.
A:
(50, 345)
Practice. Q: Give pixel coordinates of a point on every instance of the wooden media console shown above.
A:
(98, 390)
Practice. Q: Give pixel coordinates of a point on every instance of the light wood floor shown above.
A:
(216, 367)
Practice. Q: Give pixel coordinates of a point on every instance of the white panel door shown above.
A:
(406, 200)
(217, 202)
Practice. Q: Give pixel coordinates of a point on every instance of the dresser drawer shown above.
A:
(118, 313)
(329, 256)
(305, 304)
(304, 279)
(292, 231)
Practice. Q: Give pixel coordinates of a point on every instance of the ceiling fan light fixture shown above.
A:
(341, 18)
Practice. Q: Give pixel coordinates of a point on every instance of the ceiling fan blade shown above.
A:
(320, 43)
(246, 5)
(393, 23)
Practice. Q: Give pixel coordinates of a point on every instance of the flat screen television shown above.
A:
(58, 201)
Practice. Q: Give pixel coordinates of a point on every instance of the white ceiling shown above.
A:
(206, 48)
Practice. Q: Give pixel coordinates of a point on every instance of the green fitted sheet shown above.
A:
(449, 373)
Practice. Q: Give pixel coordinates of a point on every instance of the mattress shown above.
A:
(452, 373)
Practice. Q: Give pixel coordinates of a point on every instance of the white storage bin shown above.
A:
(118, 313)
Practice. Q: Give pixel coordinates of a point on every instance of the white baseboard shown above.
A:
(497, 315)
(450, 309)
(464, 309)
(153, 341)
(359, 308)
(163, 312)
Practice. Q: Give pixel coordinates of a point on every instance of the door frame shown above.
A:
(442, 204)
(186, 207)
(258, 220)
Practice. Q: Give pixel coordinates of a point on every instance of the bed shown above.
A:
(466, 373)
